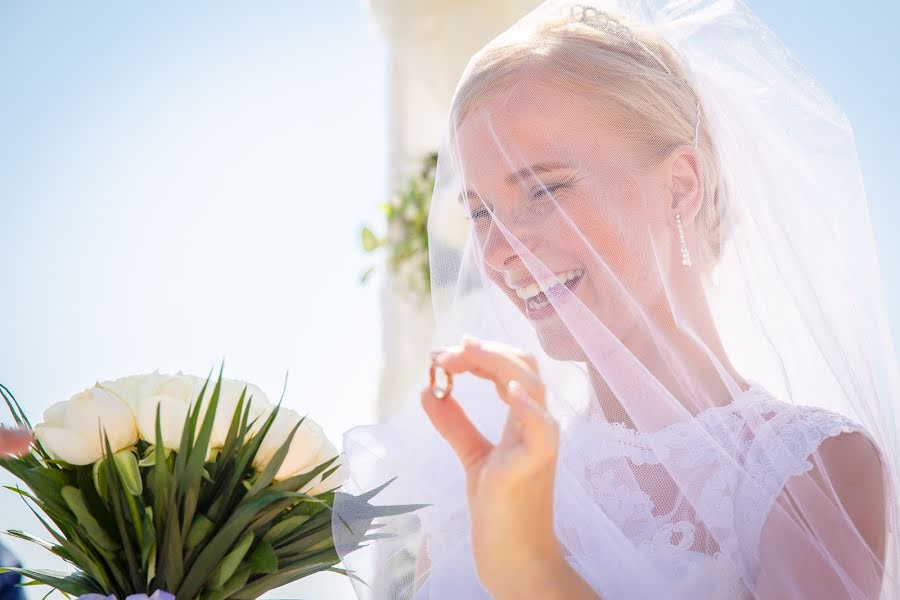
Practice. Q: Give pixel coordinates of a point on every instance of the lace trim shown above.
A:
(637, 445)
(781, 452)
(771, 442)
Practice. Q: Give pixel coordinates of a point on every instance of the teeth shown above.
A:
(530, 291)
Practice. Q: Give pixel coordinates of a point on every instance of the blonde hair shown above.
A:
(634, 69)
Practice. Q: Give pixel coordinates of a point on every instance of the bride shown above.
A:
(676, 382)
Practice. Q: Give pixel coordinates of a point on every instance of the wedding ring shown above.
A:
(439, 391)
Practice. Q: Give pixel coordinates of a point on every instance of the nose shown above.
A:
(498, 253)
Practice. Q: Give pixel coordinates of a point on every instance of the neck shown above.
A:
(691, 362)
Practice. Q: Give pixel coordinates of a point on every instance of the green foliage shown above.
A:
(202, 528)
(406, 237)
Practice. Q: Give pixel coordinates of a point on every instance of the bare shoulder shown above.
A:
(841, 509)
(847, 468)
(850, 465)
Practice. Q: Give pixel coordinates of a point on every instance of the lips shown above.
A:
(537, 305)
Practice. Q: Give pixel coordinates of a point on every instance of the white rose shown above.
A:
(305, 445)
(334, 480)
(71, 430)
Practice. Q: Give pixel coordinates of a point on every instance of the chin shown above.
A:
(559, 344)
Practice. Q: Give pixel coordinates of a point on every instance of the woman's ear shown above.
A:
(684, 178)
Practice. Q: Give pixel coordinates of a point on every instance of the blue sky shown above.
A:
(183, 182)
(850, 47)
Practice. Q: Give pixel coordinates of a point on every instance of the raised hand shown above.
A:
(510, 484)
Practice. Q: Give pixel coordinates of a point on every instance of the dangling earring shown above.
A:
(685, 255)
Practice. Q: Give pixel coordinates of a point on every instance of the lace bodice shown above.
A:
(710, 541)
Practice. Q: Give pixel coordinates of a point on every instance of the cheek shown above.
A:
(497, 279)
(614, 239)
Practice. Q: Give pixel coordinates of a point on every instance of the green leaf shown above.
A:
(148, 543)
(18, 414)
(302, 568)
(284, 527)
(308, 542)
(298, 481)
(315, 523)
(30, 538)
(130, 474)
(188, 433)
(70, 583)
(171, 568)
(149, 459)
(268, 474)
(160, 475)
(46, 483)
(234, 428)
(231, 562)
(101, 484)
(200, 528)
(265, 518)
(214, 551)
(235, 436)
(118, 493)
(351, 574)
(237, 581)
(85, 483)
(193, 470)
(67, 539)
(263, 559)
(228, 495)
(75, 501)
(370, 241)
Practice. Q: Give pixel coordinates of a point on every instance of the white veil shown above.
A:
(707, 317)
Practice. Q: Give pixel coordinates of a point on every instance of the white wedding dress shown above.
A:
(674, 533)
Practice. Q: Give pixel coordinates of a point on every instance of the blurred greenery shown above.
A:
(406, 230)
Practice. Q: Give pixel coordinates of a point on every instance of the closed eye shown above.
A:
(479, 213)
(550, 189)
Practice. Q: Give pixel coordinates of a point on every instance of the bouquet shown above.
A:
(183, 487)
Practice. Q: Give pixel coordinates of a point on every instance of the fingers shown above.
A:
(495, 361)
(538, 429)
(14, 441)
(451, 422)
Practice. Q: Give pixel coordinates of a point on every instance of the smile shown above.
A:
(535, 294)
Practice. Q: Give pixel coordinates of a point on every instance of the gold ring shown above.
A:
(437, 391)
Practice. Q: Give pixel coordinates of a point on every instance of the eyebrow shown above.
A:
(526, 173)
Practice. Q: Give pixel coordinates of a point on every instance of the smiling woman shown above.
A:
(680, 386)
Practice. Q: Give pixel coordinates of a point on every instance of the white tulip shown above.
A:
(183, 388)
(171, 394)
(72, 430)
(317, 485)
(229, 395)
(305, 445)
(134, 388)
(175, 395)
(173, 414)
